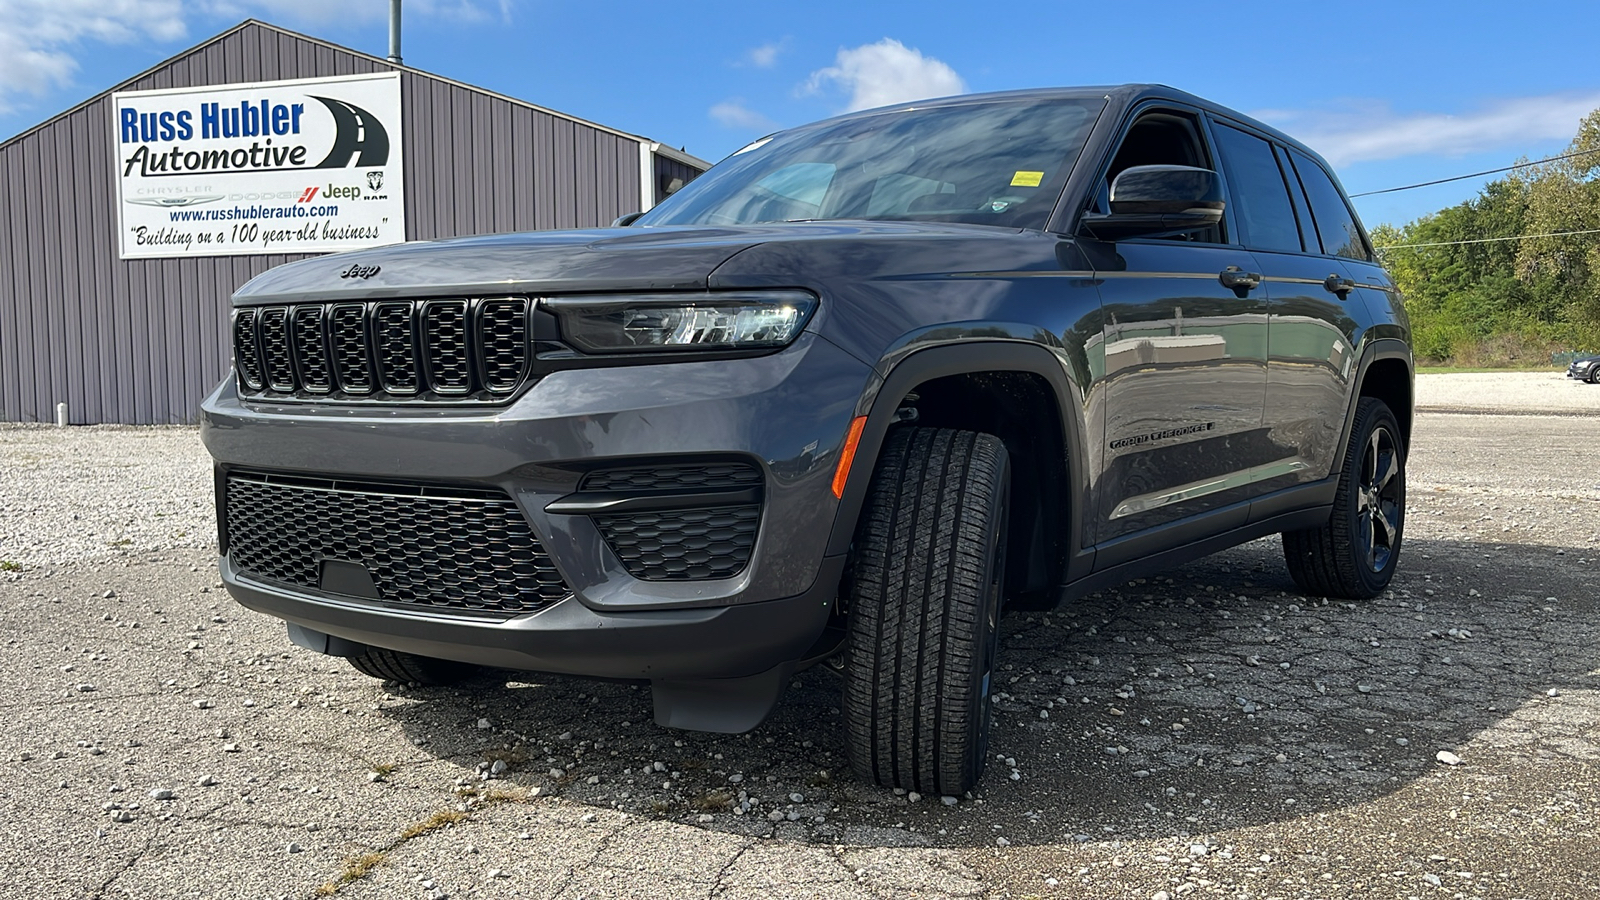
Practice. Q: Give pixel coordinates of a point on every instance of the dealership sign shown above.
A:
(307, 166)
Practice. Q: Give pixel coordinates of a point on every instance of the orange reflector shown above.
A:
(848, 455)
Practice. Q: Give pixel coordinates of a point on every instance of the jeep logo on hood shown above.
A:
(360, 271)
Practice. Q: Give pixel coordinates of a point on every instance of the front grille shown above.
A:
(445, 334)
(448, 549)
(683, 545)
(716, 476)
(431, 351)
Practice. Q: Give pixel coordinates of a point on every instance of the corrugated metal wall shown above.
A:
(143, 341)
(668, 170)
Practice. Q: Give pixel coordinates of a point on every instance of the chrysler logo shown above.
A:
(180, 200)
(360, 271)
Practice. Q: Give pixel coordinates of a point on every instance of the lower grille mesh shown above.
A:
(683, 545)
(443, 548)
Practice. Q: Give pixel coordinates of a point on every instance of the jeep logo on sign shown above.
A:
(359, 271)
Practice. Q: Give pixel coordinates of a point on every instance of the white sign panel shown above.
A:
(307, 166)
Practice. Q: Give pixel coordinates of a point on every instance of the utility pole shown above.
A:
(394, 32)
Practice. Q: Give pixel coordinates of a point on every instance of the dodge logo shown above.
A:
(360, 271)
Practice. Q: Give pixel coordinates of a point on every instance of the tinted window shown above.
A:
(989, 163)
(1257, 191)
(1335, 225)
(1308, 230)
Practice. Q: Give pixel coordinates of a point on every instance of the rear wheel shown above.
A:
(926, 584)
(1354, 555)
(393, 665)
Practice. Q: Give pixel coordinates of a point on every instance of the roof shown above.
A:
(377, 60)
(1124, 95)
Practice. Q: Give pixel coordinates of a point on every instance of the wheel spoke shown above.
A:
(1380, 517)
(1369, 464)
(1388, 469)
(1366, 538)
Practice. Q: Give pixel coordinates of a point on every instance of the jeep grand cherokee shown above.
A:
(838, 399)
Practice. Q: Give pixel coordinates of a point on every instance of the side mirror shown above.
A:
(1154, 200)
(626, 220)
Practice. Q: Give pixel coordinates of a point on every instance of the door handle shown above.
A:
(1238, 280)
(1339, 285)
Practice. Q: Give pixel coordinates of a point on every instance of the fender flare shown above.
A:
(1376, 350)
(880, 401)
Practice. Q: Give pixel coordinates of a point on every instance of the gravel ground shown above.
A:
(1201, 732)
(1513, 393)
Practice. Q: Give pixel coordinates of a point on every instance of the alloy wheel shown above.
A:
(1378, 500)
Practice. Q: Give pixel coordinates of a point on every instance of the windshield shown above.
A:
(997, 163)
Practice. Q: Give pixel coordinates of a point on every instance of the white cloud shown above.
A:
(734, 114)
(1371, 130)
(885, 73)
(38, 38)
(764, 56)
(287, 12)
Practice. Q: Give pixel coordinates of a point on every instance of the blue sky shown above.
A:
(1392, 93)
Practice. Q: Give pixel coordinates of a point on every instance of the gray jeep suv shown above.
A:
(840, 399)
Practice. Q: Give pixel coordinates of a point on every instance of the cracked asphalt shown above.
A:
(1201, 732)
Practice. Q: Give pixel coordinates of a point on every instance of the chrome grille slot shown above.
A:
(351, 347)
(444, 337)
(246, 355)
(503, 343)
(397, 349)
(275, 348)
(310, 351)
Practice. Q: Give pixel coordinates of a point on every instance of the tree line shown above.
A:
(1504, 283)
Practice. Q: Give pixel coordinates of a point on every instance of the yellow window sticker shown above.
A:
(1027, 179)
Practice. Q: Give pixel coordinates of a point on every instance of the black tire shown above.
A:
(392, 665)
(1354, 555)
(927, 578)
(1594, 375)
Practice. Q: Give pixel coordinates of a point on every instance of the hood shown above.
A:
(599, 259)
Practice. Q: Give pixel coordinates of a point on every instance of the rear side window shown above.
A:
(1335, 225)
(1256, 188)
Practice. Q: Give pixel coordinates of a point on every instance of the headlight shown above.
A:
(744, 320)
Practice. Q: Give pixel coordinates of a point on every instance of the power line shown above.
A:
(1537, 162)
(1516, 237)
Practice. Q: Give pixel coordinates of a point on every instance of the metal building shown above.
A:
(142, 340)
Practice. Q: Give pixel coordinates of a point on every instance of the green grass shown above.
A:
(7, 565)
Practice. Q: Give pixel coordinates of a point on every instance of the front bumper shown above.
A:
(786, 413)
(570, 638)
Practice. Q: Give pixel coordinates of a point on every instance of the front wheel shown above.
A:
(1594, 375)
(926, 583)
(409, 668)
(1354, 555)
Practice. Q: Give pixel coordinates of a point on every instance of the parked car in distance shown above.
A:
(1585, 368)
(843, 398)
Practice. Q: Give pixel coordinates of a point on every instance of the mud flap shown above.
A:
(722, 705)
